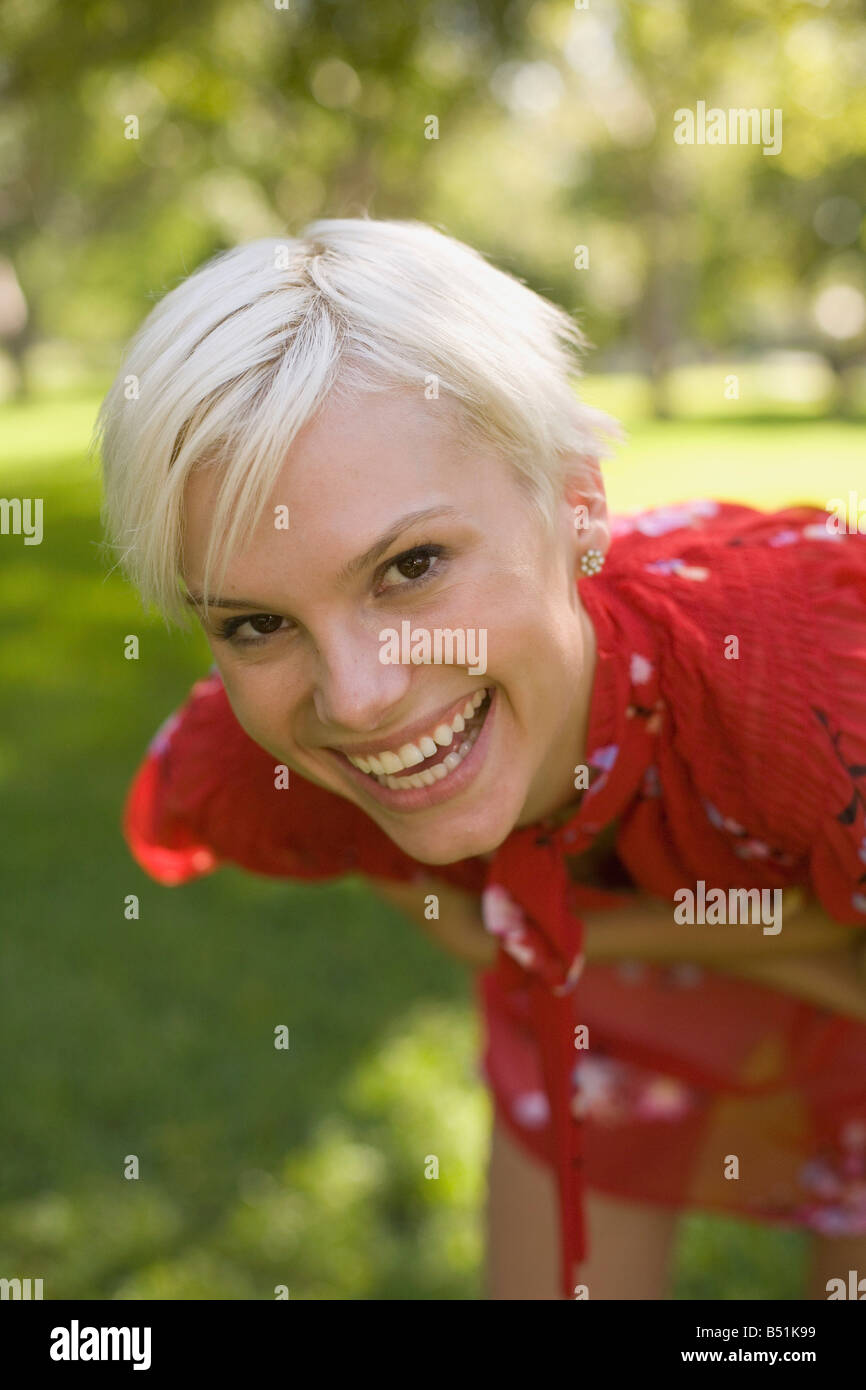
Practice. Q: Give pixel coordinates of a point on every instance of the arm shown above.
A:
(834, 980)
(812, 957)
(646, 930)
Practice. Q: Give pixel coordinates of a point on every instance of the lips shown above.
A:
(446, 758)
(432, 782)
(423, 746)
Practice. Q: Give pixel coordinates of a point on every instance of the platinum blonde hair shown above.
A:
(231, 364)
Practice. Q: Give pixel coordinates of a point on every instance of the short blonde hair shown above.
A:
(232, 363)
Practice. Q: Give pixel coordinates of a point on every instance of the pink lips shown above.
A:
(421, 798)
(412, 732)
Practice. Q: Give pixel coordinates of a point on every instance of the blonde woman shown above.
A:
(624, 759)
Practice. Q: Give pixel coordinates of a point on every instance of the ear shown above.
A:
(584, 506)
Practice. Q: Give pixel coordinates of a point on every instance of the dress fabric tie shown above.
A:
(534, 910)
(531, 907)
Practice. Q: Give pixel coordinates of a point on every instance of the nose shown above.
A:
(354, 691)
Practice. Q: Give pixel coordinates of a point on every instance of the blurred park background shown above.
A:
(724, 293)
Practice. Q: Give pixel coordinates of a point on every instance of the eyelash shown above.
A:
(427, 552)
(227, 630)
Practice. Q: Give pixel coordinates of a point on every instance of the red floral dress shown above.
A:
(739, 762)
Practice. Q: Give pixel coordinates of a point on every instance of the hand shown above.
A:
(459, 929)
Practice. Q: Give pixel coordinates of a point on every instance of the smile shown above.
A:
(436, 753)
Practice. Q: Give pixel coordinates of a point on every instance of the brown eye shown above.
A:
(413, 566)
(264, 623)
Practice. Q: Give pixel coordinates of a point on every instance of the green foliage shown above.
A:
(738, 1261)
(254, 119)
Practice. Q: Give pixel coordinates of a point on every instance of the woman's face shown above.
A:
(393, 520)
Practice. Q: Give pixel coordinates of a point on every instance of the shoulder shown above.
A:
(741, 607)
(720, 584)
(206, 794)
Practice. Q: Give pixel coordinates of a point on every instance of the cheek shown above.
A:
(509, 602)
(258, 702)
(528, 631)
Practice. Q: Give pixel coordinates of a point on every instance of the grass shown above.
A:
(150, 1041)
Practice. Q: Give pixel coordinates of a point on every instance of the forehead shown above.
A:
(362, 462)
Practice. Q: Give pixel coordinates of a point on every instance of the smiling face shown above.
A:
(395, 519)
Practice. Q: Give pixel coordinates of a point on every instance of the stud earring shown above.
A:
(591, 561)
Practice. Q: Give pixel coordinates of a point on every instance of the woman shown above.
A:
(358, 459)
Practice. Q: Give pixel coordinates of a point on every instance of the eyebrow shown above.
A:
(350, 570)
(384, 543)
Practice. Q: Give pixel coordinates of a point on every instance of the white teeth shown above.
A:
(385, 765)
(410, 755)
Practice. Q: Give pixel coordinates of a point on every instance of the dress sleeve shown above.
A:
(205, 795)
(763, 751)
(838, 859)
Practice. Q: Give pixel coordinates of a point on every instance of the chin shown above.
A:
(449, 844)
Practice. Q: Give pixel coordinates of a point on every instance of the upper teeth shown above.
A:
(408, 755)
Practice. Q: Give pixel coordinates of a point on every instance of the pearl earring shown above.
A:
(591, 561)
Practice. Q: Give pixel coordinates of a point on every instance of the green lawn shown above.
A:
(154, 1037)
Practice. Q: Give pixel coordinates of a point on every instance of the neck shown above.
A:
(559, 798)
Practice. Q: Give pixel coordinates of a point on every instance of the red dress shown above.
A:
(727, 744)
